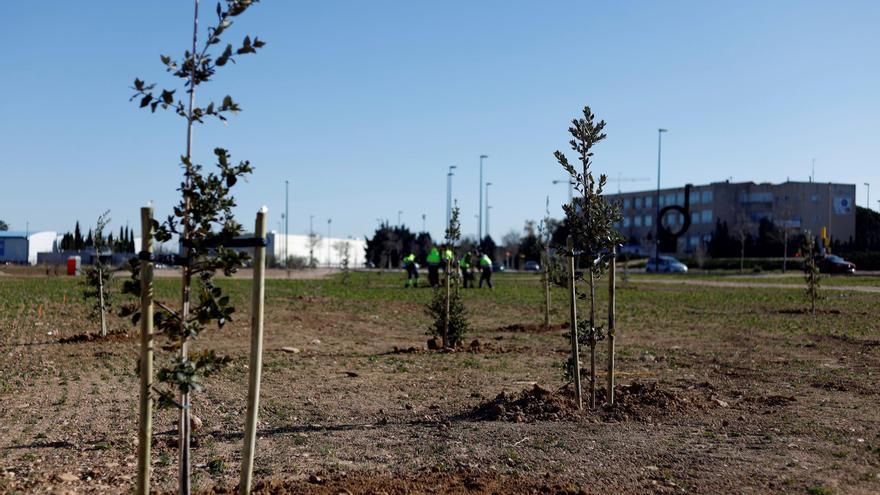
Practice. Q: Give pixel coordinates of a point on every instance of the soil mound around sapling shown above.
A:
(634, 402)
(808, 311)
(474, 347)
(532, 328)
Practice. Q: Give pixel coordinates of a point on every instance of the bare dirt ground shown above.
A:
(731, 390)
(753, 284)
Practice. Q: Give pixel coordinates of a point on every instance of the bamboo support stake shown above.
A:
(145, 423)
(256, 358)
(446, 314)
(575, 356)
(612, 299)
(546, 289)
(592, 339)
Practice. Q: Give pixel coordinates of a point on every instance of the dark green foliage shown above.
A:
(390, 244)
(3, 226)
(867, 230)
(811, 271)
(446, 307)
(203, 219)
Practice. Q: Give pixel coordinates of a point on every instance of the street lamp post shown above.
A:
(480, 226)
(399, 213)
(312, 263)
(449, 175)
(487, 209)
(657, 202)
(868, 185)
(423, 221)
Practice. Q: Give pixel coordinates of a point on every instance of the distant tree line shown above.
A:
(123, 242)
(3, 226)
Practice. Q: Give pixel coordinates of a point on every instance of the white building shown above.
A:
(326, 251)
(22, 247)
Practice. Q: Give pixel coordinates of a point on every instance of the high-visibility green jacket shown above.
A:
(409, 259)
(434, 257)
(485, 261)
(464, 262)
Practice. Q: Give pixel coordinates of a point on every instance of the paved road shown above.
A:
(754, 285)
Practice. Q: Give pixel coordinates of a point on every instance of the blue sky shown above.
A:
(364, 105)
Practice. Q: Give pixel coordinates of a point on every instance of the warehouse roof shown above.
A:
(14, 233)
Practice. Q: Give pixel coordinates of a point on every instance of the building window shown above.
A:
(693, 240)
(648, 220)
(638, 202)
(695, 217)
(638, 221)
(679, 198)
(695, 197)
(625, 222)
(625, 203)
(649, 201)
(670, 199)
(706, 216)
(707, 197)
(814, 198)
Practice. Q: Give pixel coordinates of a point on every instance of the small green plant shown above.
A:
(343, 249)
(96, 282)
(812, 276)
(590, 220)
(446, 307)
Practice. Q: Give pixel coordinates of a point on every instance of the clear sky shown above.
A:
(364, 105)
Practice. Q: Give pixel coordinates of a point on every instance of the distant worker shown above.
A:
(485, 270)
(448, 257)
(412, 270)
(467, 277)
(434, 267)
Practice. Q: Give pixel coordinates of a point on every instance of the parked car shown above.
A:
(498, 267)
(532, 266)
(667, 264)
(835, 264)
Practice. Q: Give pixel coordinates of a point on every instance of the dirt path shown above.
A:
(752, 285)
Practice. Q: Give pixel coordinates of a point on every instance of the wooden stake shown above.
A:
(575, 355)
(446, 314)
(612, 297)
(256, 358)
(145, 423)
(592, 339)
(546, 288)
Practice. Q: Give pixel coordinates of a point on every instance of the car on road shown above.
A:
(835, 264)
(532, 266)
(497, 267)
(665, 264)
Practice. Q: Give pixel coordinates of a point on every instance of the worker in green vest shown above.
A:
(464, 264)
(412, 270)
(485, 270)
(434, 267)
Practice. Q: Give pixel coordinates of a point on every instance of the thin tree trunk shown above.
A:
(101, 298)
(184, 426)
(572, 300)
(612, 299)
(592, 339)
(145, 423)
(255, 365)
(784, 249)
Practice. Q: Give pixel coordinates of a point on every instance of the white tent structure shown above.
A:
(327, 252)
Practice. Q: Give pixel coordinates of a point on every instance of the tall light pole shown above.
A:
(286, 226)
(480, 221)
(570, 188)
(449, 175)
(868, 185)
(399, 213)
(312, 243)
(329, 221)
(657, 202)
(487, 209)
(423, 221)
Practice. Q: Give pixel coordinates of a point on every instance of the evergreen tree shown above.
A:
(78, 244)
